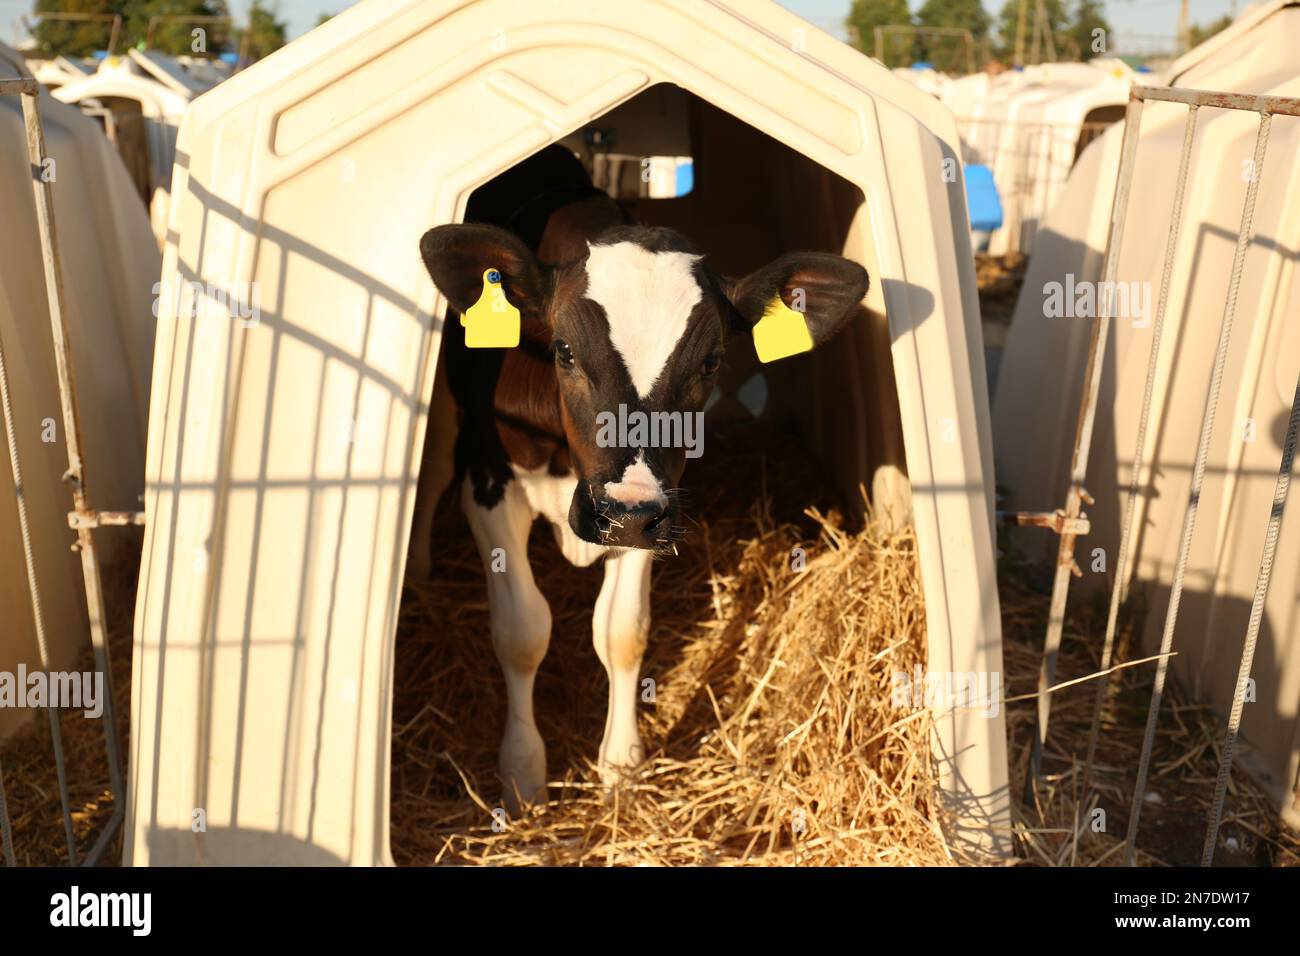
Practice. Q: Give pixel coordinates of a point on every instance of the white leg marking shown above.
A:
(521, 632)
(620, 625)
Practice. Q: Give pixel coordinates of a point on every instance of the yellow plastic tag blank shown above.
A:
(781, 332)
(491, 322)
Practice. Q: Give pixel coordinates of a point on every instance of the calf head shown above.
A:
(638, 326)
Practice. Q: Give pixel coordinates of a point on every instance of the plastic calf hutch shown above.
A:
(1042, 368)
(110, 267)
(1027, 127)
(146, 97)
(284, 452)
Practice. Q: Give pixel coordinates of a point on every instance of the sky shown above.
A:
(1126, 16)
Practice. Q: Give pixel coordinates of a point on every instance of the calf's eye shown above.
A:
(563, 354)
(711, 365)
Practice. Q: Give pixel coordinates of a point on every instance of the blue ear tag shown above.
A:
(491, 322)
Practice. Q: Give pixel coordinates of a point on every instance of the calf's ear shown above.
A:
(458, 255)
(826, 288)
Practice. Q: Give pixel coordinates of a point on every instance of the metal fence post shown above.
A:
(83, 517)
(1068, 522)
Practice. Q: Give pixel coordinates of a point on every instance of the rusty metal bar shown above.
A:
(1120, 588)
(1279, 105)
(1057, 521)
(33, 585)
(44, 200)
(7, 89)
(76, 473)
(1198, 474)
(1083, 443)
(19, 86)
(1252, 629)
(104, 519)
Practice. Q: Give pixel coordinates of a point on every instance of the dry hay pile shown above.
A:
(771, 738)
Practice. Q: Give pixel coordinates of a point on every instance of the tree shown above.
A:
(963, 14)
(265, 32)
(1072, 25)
(175, 34)
(1088, 20)
(1199, 34)
(72, 38)
(866, 15)
(1008, 22)
(968, 14)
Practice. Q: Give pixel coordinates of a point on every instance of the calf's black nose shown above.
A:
(645, 525)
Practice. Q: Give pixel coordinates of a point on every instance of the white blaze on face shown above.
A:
(638, 486)
(648, 298)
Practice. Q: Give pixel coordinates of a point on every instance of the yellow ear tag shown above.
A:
(781, 332)
(491, 322)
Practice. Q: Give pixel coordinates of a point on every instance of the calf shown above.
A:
(612, 314)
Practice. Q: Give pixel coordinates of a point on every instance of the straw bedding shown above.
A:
(771, 736)
(1056, 830)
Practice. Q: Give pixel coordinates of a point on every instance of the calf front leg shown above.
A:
(521, 632)
(620, 625)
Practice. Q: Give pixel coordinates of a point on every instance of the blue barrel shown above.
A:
(982, 199)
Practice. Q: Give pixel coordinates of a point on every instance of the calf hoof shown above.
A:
(522, 768)
(619, 763)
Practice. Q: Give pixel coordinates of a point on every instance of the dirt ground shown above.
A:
(999, 281)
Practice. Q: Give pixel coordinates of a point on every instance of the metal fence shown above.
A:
(83, 518)
(1070, 522)
(960, 56)
(1031, 162)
